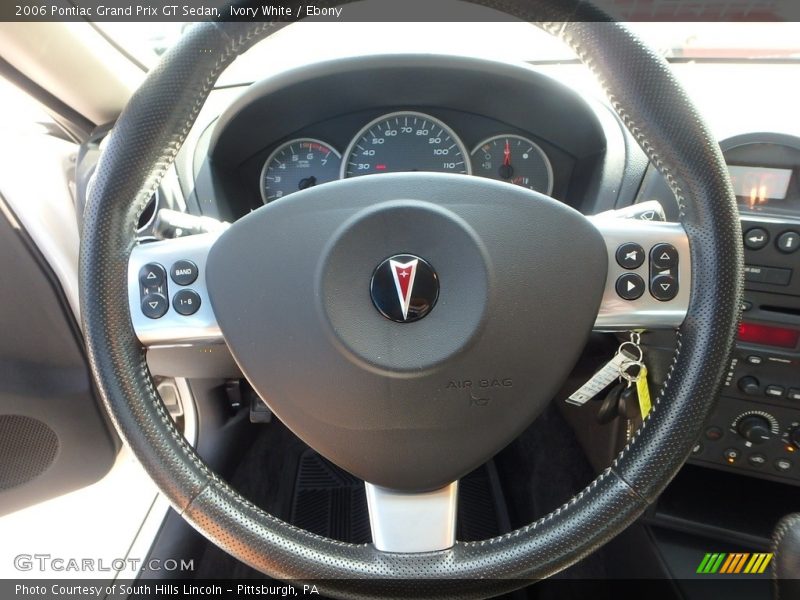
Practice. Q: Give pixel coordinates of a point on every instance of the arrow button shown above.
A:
(663, 256)
(152, 275)
(664, 287)
(154, 306)
(630, 286)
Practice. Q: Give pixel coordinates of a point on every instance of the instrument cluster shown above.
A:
(405, 141)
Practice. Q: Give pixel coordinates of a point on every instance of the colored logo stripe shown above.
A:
(734, 563)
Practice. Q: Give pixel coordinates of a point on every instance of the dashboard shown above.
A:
(370, 115)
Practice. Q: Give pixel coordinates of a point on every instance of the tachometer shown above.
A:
(514, 159)
(402, 142)
(297, 165)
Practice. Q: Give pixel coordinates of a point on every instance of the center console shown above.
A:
(755, 429)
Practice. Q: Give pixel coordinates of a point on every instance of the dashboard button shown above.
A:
(183, 272)
(775, 391)
(186, 302)
(713, 434)
(663, 256)
(630, 286)
(754, 273)
(788, 242)
(731, 455)
(754, 359)
(154, 306)
(757, 460)
(664, 287)
(756, 238)
(152, 275)
(777, 276)
(783, 465)
(793, 394)
(747, 305)
(630, 255)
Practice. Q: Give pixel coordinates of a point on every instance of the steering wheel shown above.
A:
(380, 375)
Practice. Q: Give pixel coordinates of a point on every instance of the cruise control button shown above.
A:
(756, 238)
(663, 256)
(152, 275)
(664, 287)
(154, 306)
(788, 241)
(630, 286)
(183, 272)
(186, 302)
(630, 255)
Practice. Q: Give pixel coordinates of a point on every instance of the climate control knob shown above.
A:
(754, 428)
(750, 386)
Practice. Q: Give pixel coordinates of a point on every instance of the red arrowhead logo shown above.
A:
(403, 274)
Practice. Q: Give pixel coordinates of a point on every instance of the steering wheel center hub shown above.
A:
(403, 401)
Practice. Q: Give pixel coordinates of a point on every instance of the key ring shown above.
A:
(634, 345)
(627, 364)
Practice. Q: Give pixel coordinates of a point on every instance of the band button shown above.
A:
(183, 272)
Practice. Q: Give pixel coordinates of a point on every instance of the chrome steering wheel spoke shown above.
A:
(412, 521)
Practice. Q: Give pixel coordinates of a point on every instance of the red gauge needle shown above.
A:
(506, 171)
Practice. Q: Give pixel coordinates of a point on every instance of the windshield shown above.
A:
(511, 41)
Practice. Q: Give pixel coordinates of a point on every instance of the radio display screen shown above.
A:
(757, 186)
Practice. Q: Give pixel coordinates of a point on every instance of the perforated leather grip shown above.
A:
(655, 109)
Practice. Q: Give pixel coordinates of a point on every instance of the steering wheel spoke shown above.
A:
(167, 292)
(412, 522)
(649, 274)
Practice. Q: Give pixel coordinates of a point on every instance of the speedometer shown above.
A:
(402, 142)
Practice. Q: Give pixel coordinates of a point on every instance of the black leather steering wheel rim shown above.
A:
(660, 116)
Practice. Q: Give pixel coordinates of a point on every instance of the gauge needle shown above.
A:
(506, 170)
(307, 183)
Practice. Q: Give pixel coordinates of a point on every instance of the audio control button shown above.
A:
(154, 306)
(630, 255)
(788, 242)
(756, 238)
(663, 256)
(630, 286)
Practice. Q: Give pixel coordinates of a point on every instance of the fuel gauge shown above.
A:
(513, 159)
